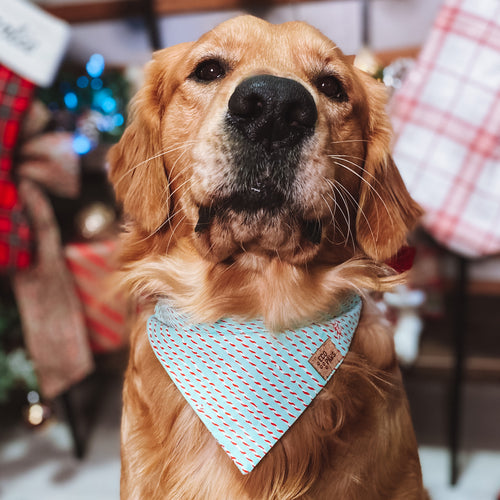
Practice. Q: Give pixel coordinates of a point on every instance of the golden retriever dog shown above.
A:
(257, 183)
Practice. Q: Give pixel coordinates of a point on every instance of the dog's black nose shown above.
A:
(272, 111)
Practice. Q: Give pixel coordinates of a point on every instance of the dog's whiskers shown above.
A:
(344, 159)
(332, 212)
(340, 157)
(349, 140)
(389, 215)
(360, 210)
(168, 220)
(170, 217)
(347, 217)
(334, 219)
(179, 222)
(333, 197)
(154, 157)
(180, 186)
(278, 256)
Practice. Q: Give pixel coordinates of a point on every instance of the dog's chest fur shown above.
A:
(327, 461)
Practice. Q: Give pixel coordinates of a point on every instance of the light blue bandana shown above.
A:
(247, 385)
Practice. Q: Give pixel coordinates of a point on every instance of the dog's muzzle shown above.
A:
(268, 121)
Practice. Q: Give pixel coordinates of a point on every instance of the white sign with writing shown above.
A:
(32, 42)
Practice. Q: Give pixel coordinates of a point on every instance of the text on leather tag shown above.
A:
(325, 359)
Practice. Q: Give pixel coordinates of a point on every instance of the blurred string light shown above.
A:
(96, 84)
(118, 120)
(81, 143)
(82, 82)
(71, 100)
(96, 106)
(37, 412)
(95, 65)
(104, 101)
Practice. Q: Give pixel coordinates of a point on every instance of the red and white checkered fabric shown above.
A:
(447, 123)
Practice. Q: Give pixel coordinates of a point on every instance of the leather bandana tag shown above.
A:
(247, 385)
(326, 359)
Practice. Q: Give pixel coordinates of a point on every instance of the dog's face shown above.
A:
(262, 140)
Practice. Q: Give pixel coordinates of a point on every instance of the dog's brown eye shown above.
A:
(210, 70)
(332, 88)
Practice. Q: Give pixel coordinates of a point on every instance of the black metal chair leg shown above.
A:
(78, 441)
(459, 325)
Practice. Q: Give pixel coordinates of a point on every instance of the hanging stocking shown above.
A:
(15, 240)
(30, 54)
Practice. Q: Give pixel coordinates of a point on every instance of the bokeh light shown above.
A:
(81, 144)
(82, 82)
(71, 100)
(118, 120)
(96, 84)
(95, 65)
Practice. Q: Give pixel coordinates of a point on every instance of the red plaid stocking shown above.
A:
(15, 240)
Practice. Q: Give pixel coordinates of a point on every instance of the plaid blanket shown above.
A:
(446, 118)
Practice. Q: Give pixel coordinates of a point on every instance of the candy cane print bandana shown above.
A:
(248, 385)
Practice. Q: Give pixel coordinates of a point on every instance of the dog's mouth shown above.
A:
(260, 197)
(311, 229)
(256, 221)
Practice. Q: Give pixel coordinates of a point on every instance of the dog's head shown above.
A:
(262, 140)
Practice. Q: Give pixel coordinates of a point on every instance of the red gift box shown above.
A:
(105, 309)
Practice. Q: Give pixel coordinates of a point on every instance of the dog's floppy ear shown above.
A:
(386, 210)
(137, 169)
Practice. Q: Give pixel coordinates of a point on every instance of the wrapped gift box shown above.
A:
(105, 309)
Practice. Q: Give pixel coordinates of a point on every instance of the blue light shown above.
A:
(95, 65)
(100, 97)
(108, 105)
(71, 100)
(82, 82)
(103, 101)
(96, 84)
(118, 120)
(81, 144)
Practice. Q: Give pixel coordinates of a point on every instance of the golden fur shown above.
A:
(356, 440)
